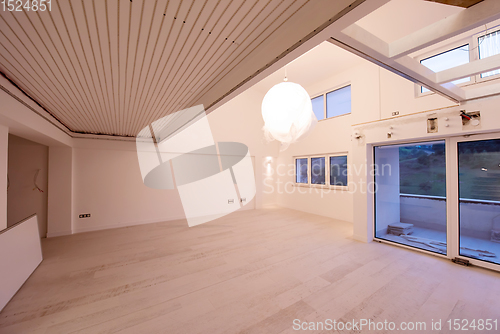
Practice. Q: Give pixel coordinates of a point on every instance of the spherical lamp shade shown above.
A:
(287, 112)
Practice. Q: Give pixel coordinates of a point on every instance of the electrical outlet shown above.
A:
(85, 215)
(395, 113)
(243, 199)
(230, 201)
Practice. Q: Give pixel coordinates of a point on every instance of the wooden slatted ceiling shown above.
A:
(459, 3)
(114, 66)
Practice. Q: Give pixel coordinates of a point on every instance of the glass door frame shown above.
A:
(454, 198)
(452, 195)
(371, 148)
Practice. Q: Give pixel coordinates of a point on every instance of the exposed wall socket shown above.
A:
(230, 201)
(243, 200)
(395, 113)
(471, 120)
(85, 215)
(432, 125)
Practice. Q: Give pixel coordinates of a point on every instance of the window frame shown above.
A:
(327, 184)
(319, 156)
(439, 51)
(302, 184)
(334, 186)
(473, 43)
(344, 85)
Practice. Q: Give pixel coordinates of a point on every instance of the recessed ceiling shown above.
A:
(114, 66)
(399, 18)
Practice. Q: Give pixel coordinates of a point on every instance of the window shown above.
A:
(489, 45)
(338, 170)
(301, 171)
(326, 170)
(479, 46)
(338, 102)
(318, 172)
(319, 107)
(446, 60)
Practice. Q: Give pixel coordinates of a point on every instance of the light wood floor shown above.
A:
(252, 271)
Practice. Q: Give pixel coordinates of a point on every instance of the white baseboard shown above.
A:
(126, 224)
(58, 234)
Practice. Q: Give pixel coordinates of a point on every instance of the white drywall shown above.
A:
(60, 192)
(4, 149)
(25, 158)
(21, 254)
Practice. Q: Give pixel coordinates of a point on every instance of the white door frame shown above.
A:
(452, 196)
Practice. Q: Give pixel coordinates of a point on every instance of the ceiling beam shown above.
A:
(473, 17)
(406, 67)
(367, 38)
(469, 69)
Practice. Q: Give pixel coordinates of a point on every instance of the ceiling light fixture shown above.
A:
(287, 112)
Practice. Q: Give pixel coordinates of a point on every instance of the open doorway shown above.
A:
(27, 182)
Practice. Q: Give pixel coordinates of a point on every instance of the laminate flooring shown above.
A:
(252, 271)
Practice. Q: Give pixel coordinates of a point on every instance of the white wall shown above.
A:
(25, 158)
(240, 120)
(107, 183)
(60, 191)
(4, 152)
(331, 136)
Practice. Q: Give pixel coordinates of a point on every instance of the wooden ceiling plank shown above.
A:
(269, 25)
(29, 56)
(98, 26)
(212, 10)
(169, 12)
(30, 64)
(30, 87)
(61, 29)
(76, 26)
(111, 17)
(153, 35)
(91, 38)
(152, 16)
(459, 3)
(168, 54)
(59, 59)
(184, 53)
(203, 55)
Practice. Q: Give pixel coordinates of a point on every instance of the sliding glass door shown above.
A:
(479, 199)
(441, 197)
(410, 198)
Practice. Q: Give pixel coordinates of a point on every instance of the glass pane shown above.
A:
(446, 60)
(301, 170)
(479, 189)
(489, 45)
(318, 173)
(410, 198)
(338, 102)
(318, 107)
(338, 171)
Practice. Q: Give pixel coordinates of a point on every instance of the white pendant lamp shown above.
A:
(287, 112)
